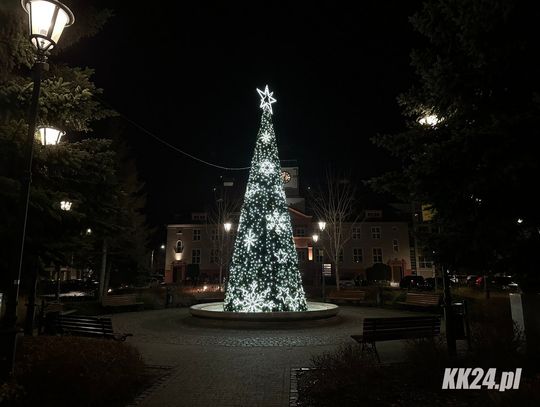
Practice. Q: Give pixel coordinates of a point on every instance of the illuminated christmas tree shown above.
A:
(264, 273)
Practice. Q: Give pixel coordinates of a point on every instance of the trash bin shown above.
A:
(459, 314)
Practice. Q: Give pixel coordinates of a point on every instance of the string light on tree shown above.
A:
(264, 275)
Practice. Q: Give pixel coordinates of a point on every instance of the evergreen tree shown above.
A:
(474, 159)
(264, 273)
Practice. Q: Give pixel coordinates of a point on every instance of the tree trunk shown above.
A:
(103, 270)
(337, 274)
(107, 279)
(31, 305)
(57, 269)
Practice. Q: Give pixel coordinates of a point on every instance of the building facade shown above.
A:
(201, 250)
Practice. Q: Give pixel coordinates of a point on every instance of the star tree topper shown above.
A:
(266, 99)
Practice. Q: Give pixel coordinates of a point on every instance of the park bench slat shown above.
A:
(119, 300)
(421, 299)
(347, 295)
(82, 326)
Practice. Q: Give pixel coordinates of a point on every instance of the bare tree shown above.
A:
(224, 211)
(335, 203)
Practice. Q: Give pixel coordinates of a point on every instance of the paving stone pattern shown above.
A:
(230, 364)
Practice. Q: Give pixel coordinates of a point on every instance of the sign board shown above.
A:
(327, 269)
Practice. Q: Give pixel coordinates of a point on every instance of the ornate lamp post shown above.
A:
(47, 20)
(227, 226)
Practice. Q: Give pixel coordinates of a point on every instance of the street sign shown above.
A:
(327, 270)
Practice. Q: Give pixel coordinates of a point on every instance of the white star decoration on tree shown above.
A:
(250, 239)
(266, 99)
(266, 167)
(251, 300)
(266, 136)
(281, 256)
(276, 221)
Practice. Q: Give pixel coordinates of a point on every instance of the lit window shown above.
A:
(377, 255)
(357, 255)
(376, 232)
(196, 235)
(356, 233)
(424, 262)
(196, 256)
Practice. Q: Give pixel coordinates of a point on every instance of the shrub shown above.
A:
(75, 371)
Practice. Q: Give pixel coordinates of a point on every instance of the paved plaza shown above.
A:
(229, 364)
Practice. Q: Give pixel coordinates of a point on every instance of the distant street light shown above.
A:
(520, 221)
(88, 231)
(227, 226)
(429, 120)
(50, 136)
(162, 247)
(47, 19)
(322, 225)
(315, 238)
(65, 205)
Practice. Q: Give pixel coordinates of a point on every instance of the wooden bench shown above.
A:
(52, 307)
(347, 295)
(120, 300)
(57, 324)
(425, 300)
(390, 329)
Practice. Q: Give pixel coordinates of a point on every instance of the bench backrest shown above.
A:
(423, 299)
(81, 325)
(361, 295)
(380, 329)
(121, 299)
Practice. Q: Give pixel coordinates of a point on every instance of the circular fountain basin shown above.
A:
(214, 310)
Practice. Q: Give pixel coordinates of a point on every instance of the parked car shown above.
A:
(346, 283)
(471, 280)
(505, 283)
(429, 283)
(412, 282)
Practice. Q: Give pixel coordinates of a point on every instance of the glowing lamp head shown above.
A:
(162, 247)
(429, 120)
(315, 238)
(227, 226)
(178, 256)
(88, 231)
(520, 221)
(49, 136)
(47, 19)
(322, 225)
(65, 205)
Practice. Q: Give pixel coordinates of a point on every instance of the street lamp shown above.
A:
(50, 136)
(227, 226)
(65, 205)
(322, 225)
(47, 19)
(315, 238)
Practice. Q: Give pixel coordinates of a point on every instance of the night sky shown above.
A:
(188, 73)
